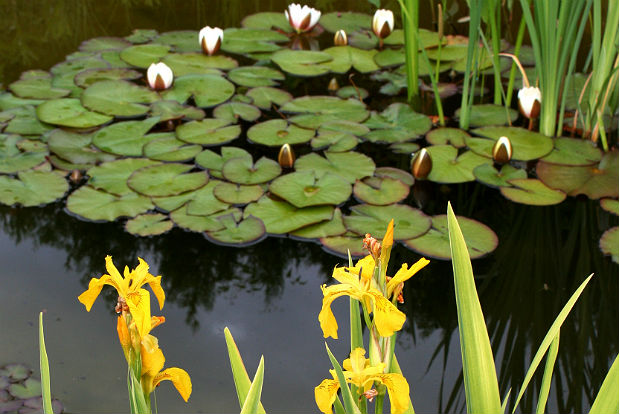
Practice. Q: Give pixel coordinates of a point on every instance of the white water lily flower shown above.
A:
(528, 96)
(383, 23)
(211, 39)
(302, 19)
(159, 76)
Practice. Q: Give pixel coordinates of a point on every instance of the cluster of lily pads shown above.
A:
(20, 391)
(92, 130)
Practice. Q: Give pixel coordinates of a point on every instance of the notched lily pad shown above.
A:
(304, 188)
(396, 173)
(487, 174)
(233, 111)
(166, 180)
(253, 76)
(349, 243)
(97, 205)
(171, 110)
(202, 223)
(277, 132)
(238, 233)
(13, 159)
(380, 191)
(15, 372)
(99, 44)
(610, 205)
(347, 21)
(28, 389)
(281, 217)
(315, 111)
(207, 90)
(449, 167)
(526, 145)
(302, 62)
(242, 170)
(209, 131)
(148, 224)
(327, 228)
(200, 202)
(125, 138)
(267, 21)
(37, 85)
(453, 136)
(143, 56)
(32, 188)
(533, 192)
(350, 166)
(69, 112)
(246, 41)
(408, 221)
(118, 98)
(166, 147)
(198, 63)
(111, 177)
(397, 123)
(236, 193)
(76, 148)
(489, 114)
(265, 97)
(609, 243)
(89, 77)
(570, 151)
(346, 57)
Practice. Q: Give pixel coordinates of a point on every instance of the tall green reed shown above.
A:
(409, 13)
(471, 68)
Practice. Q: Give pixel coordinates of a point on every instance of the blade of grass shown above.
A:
(606, 400)
(252, 401)
(349, 402)
(505, 402)
(46, 392)
(546, 381)
(481, 388)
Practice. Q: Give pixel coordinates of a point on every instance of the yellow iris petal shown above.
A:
(139, 303)
(121, 284)
(386, 244)
(152, 362)
(326, 316)
(367, 267)
(388, 319)
(345, 277)
(398, 390)
(325, 395)
(405, 273)
(180, 379)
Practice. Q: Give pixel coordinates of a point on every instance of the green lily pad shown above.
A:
(244, 41)
(66, 166)
(427, 39)
(209, 131)
(595, 181)
(451, 168)
(237, 194)
(242, 170)
(334, 141)
(304, 188)
(408, 221)
(533, 192)
(125, 138)
(253, 76)
(609, 243)
(29, 388)
(180, 40)
(265, 97)
(281, 217)
(170, 110)
(32, 188)
(150, 224)
(168, 148)
(9, 101)
(349, 127)
(198, 202)
(76, 148)
(480, 239)
(347, 21)
(99, 44)
(233, 111)
(318, 110)
(166, 180)
(610, 205)
(302, 62)
(346, 57)
(89, 77)
(118, 98)
(396, 173)
(207, 90)
(214, 162)
(342, 246)
(139, 36)
(24, 121)
(487, 174)
(267, 21)
(97, 205)
(198, 63)
(526, 145)
(349, 91)
(397, 123)
(390, 57)
(404, 147)
(350, 166)
(143, 56)
(69, 112)
(570, 151)
(113, 57)
(327, 228)
(277, 132)
(236, 233)
(15, 372)
(37, 86)
(380, 191)
(453, 136)
(489, 114)
(112, 177)
(203, 223)
(13, 160)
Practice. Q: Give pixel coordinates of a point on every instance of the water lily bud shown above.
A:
(529, 101)
(502, 150)
(333, 85)
(422, 164)
(159, 76)
(286, 157)
(383, 23)
(211, 39)
(340, 38)
(302, 19)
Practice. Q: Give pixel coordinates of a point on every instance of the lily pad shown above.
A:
(397, 123)
(245, 41)
(89, 77)
(180, 40)
(38, 86)
(202, 223)
(480, 239)
(408, 221)
(610, 205)
(8, 101)
(209, 131)
(265, 97)
(404, 147)
(29, 388)
(207, 90)
(99, 44)
(337, 109)
(12, 159)
(595, 181)
(281, 217)
(302, 62)
(118, 98)
(380, 191)
(349, 243)
(112, 177)
(171, 110)
(242, 170)
(166, 180)
(327, 228)
(267, 21)
(166, 147)
(125, 138)
(253, 76)
(97, 205)
(390, 57)
(233, 111)
(76, 148)
(346, 57)
(489, 114)
(198, 202)
(15, 372)
(32, 188)
(487, 174)
(347, 21)
(526, 145)
(335, 141)
(236, 233)
(533, 192)
(609, 243)
(396, 173)
(138, 36)
(69, 112)
(350, 166)
(198, 63)
(570, 151)
(148, 224)
(349, 91)
(143, 56)
(304, 188)
(449, 167)
(214, 162)
(277, 132)
(453, 136)
(237, 194)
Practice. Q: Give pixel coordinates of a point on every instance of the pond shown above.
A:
(268, 293)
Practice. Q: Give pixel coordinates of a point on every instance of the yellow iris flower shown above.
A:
(129, 288)
(358, 371)
(152, 374)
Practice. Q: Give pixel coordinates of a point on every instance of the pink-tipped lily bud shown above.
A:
(302, 19)
(422, 164)
(383, 23)
(340, 38)
(502, 150)
(159, 76)
(529, 101)
(211, 39)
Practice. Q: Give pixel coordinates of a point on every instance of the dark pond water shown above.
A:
(268, 294)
